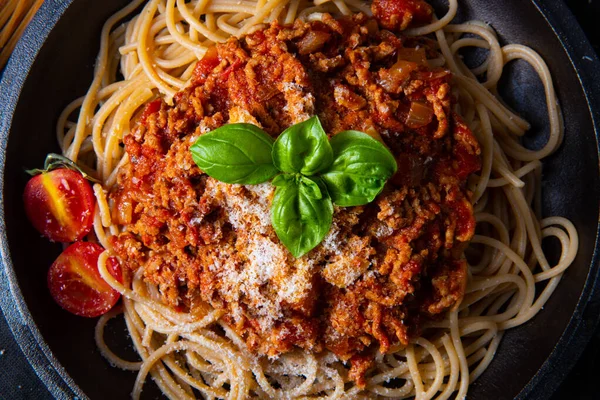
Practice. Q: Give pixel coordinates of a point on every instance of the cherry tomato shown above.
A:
(76, 285)
(60, 205)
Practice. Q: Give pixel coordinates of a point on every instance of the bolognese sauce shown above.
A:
(384, 267)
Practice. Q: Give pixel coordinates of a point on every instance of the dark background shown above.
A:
(18, 381)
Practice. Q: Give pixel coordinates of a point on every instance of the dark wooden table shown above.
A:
(18, 381)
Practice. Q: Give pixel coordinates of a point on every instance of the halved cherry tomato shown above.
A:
(60, 204)
(76, 285)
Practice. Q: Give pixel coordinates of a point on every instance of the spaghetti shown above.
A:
(14, 18)
(156, 50)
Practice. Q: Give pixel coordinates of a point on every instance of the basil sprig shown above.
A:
(311, 173)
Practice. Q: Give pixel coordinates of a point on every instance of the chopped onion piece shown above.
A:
(397, 75)
(415, 55)
(371, 131)
(372, 26)
(420, 114)
(312, 41)
(431, 75)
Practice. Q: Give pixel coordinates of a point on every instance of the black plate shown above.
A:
(53, 64)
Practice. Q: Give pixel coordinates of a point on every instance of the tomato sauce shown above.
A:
(399, 14)
(384, 266)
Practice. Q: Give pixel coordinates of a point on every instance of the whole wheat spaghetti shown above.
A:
(152, 52)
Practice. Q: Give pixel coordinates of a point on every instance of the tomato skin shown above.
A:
(151, 108)
(397, 15)
(60, 205)
(75, 282)
(205, 66)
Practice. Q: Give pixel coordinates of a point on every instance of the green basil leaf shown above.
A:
(311, 187)
(236, 153)
(360, 169)
(303, 148)
(283, 180)
(300, 221)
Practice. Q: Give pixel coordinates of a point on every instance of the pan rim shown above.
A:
(16, 312)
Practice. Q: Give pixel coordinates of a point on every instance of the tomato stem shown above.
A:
(54, 161)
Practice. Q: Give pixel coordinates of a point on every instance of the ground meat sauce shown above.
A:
(383, 267)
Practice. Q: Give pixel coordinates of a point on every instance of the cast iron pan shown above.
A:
(53, 64)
